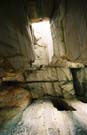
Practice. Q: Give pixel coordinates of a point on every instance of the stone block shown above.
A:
(13, 101)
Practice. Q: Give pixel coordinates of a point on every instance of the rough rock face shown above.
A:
(76, 31)
(58, 81)
(16, 56)
(16, 51)
(58, 33)
(12, 103)
(69, 34)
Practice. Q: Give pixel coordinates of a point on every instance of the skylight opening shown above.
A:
(43, 45)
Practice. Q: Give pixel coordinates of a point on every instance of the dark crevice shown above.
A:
(61, 105)
(58, 103)
(76, 83)
(55, 8)
(80, 87)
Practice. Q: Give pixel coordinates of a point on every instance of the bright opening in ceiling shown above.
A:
(43, 46)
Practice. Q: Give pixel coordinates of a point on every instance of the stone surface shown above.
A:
(80, 82)
(75, 31)
(16, 51)
(42, 118)
(58, 33)
(60, 82)
(12, 103)
(69, 34)
(63, 62)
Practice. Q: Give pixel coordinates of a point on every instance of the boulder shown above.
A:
(12, 103)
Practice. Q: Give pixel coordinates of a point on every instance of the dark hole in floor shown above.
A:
(82, 99)
(59, 103)
(62, 105)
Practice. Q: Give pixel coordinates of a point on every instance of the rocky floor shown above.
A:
(42, 118)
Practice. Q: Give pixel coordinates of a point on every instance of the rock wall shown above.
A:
(70, 31)
(51, 81)
(16, 51)
(57, 31)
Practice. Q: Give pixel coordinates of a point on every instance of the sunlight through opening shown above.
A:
(43, 45)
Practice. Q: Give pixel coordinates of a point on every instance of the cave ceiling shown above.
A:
(38, 10)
